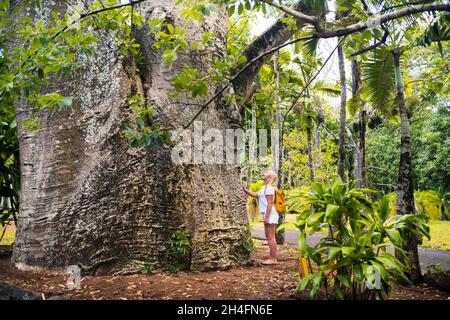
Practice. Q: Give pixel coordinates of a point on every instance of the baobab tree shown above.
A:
(89, 198)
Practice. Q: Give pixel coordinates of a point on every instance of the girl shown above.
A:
(266, 197)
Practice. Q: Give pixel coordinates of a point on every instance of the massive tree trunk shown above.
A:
(89, 198)
(405, 189)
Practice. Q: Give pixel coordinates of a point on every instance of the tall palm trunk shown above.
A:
(310, 153)
(342, 113)
(405, 190)
(362, 145)
(316, 139)
(360, 163)
(278, 156)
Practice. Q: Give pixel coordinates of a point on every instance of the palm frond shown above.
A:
(378, 80)
(437, 31)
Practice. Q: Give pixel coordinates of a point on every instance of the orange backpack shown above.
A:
(280, 206)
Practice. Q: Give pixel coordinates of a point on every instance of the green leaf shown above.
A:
(331, 210)
(301, 286)
(394, 236)
(339, 292)
(302, 243)
(344, 280)
(378, 79)
(314, 218)
(169, 56)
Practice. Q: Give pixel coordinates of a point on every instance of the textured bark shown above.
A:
(89, 198)
(405, 189)
(279, 166)
(362, 146)
(317, 144)
(360, 152)
(310, 153)
(342, 113)
(278, 157)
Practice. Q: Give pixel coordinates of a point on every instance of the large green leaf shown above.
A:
(378, 80)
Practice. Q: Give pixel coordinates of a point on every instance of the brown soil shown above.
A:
(252, 282)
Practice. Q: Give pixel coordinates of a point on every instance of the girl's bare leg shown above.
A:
(272, 242)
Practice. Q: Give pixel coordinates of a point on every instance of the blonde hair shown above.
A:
(273, 178)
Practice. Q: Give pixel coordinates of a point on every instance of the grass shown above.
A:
(440, 235)
(10, 233)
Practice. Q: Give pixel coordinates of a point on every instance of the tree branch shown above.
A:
(275, 36)
(292, 12)
(94, 12)
(278, 33)
(311, 80)
(373, 46)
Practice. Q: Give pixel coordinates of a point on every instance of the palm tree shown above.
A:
(383, 81)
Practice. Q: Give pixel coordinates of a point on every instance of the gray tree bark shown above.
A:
(309, 139)
(89, 198)
(342, 113)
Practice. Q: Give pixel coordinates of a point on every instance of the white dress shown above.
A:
(262, 203)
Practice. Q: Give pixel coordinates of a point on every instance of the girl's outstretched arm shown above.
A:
(250, 193)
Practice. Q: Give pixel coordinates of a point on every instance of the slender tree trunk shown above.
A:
(359, 168)
(280, 234)
(253, 211)
(317, 144)
(278, 156)
(356, 158)
(342, 113)
(405, 189)
(310, 153)
(252, 145)
(362, 146)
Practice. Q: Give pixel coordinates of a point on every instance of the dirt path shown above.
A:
(252, 282)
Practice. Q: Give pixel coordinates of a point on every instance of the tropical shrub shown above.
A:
(428, 202)
(9, 170)
(179, 252)
(353, 261)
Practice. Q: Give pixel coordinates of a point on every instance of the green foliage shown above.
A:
(430, 127)
(179, 252)
(9, 169)
(356, 252)
(149, 266)
(245, 245)
(146, 130)
(378, 81)
(429, 202)
(296, 162)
